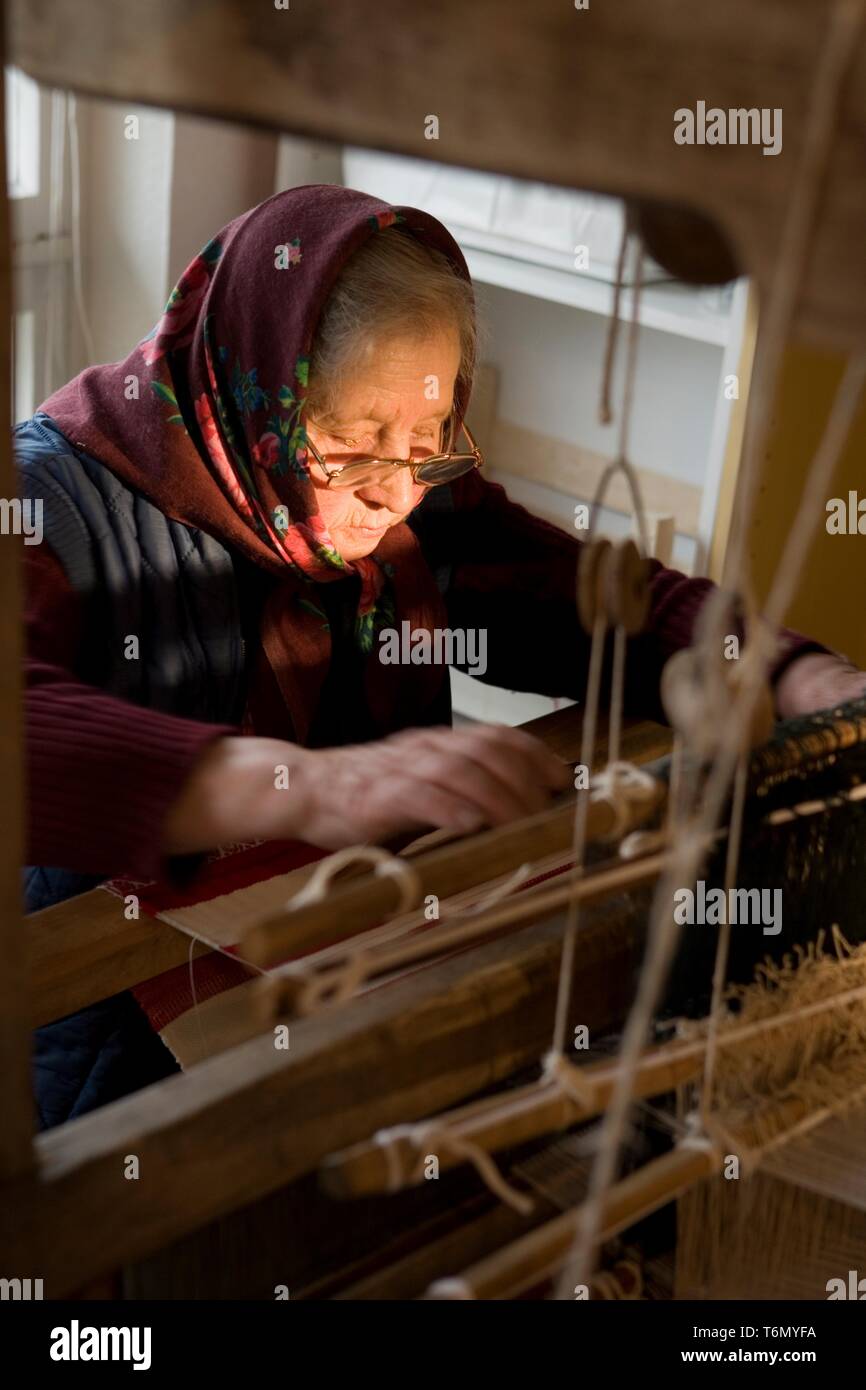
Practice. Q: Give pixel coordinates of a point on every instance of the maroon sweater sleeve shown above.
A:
(101, 772)
(514, 576)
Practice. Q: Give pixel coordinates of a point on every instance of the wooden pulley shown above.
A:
(628, 590)
(698, 699)
(591, 582)
(686, 242)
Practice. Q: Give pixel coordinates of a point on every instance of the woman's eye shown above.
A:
(367, 443)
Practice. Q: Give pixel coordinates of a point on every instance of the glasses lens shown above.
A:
(361, 473)
(446, 469)
(439, 469)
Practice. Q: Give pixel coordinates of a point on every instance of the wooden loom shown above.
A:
(251, 1120)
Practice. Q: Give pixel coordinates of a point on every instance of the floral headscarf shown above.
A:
(205, 418)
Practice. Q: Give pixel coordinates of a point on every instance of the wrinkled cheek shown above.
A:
(335, 508)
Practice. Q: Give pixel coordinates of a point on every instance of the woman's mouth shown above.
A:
(369, 532)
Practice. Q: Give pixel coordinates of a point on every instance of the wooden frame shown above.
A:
(536, 106)
(253, 1118)
(518, 89)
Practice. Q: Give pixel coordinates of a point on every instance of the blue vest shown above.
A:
(138, 574)
(173, 588)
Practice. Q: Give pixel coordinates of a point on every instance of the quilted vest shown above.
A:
(162, 616)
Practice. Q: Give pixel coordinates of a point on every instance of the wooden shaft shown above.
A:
(503, 1122)
(354, 906)
(85, 949)
(298, 992)
(364, 1169)
(16, 1104)
(534, 1257)
(545, 73)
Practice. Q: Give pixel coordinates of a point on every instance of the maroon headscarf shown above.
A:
(233, 348)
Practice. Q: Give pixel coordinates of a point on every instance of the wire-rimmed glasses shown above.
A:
(427, 472)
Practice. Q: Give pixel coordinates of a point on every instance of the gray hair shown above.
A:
(394, 285)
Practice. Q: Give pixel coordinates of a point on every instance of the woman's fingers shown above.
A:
(419, 804)
(444, 778)
(485, 777)
(519, 760)
(499, 773)
(483, 791)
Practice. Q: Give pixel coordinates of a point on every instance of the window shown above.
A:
(36, 165)
(22, 135)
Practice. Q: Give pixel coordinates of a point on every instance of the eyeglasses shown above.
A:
(427, 472)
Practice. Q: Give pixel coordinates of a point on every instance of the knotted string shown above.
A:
(624, 787)
(433, 1135)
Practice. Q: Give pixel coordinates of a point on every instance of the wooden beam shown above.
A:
(252, 1119)
(582, 98)
(642, 741)
(84, 950)
(16, 1105)
(506, 1121)
(573, 471)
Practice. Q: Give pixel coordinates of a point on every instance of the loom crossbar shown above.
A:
(536, 107)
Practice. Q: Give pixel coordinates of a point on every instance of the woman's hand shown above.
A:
(816, 681)
(421, 779)
(455, 779)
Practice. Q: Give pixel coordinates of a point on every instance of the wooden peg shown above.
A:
(591, 582)
(276, 998)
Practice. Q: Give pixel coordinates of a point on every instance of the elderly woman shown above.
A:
(233, 518)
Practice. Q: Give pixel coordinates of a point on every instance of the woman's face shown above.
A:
(392, 409)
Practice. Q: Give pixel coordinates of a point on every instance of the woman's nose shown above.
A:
(399, 493)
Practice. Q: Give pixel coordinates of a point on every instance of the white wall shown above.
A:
(126, 202)
(219, 171)
(307, 161)
(550, 361)
(150, 204)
